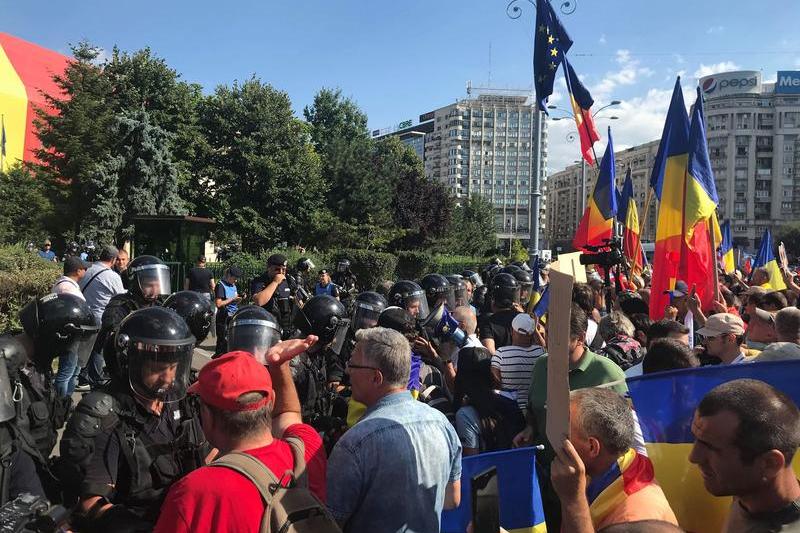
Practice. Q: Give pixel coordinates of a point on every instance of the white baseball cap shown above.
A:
(523, 323)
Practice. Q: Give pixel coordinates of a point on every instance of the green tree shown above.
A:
(76, 138)
(26, 217)
(517, 251)
(423, 207)
(333, 117)
(260, 168)
(789, 234)
(471, 230)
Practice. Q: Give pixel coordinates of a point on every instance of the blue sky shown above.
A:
(400, 59)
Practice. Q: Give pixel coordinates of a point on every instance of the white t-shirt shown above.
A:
(67, 285)
(516, 366)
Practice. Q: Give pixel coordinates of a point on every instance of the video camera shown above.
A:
(606, 255)
(29, 513)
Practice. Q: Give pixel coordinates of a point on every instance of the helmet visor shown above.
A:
(365, 315)
(416, 304)
(159, 372)
(253, 335)
(154, 281)
(7, 407)
(84, 344)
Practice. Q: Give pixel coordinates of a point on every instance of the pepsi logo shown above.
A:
(709, 85)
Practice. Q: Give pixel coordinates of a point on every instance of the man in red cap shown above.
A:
(249, 408)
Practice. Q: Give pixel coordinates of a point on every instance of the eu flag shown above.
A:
(550, 45)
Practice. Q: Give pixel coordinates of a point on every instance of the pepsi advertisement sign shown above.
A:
(788, 82)
(725, 83)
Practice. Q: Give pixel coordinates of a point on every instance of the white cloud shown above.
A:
(707, 70)
(623, 56)
(679, 59)
(102, 56)
(629, 73)
(797, 62)
(602, 39)
(715, 29)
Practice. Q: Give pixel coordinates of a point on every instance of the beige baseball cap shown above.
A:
(722, 324)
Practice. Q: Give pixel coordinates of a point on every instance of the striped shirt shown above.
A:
(516, 366)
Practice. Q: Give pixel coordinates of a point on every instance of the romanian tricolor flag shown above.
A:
(582, 103)
(597, 225)
(26, 70)
(766, 259)
(700, 226)
(665, 404)
(520, 501)
(628, 215)
(684, 185)
(726, 249)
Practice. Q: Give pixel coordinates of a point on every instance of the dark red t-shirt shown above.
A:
(219, 499)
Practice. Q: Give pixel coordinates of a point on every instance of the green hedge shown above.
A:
(23, 276)
(414, 264)
(370, 268)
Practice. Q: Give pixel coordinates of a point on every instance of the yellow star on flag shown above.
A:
(550, 39)
(554, 52)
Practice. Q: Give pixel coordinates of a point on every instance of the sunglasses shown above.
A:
(351, 366)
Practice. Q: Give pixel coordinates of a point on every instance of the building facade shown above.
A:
(564, 188)
(485, 145)
(753, 134)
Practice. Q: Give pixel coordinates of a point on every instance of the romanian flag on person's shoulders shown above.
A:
(766, 259)
(628, 215)
(520, 501)
(726, 249)
(597, 225)
(665, 403)
(582, 102)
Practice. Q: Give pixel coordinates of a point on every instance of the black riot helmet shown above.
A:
(472, 276)
(195, 309)
(525, 281)
(153, 352)
(523, 265)
(13, 356)
(366, 309)
(253, 329)
(438, 291)
(459, 290)
(510, 269)
(343, 265)
(325, 317)
(148, 278)
(489, 272)
(304, 265)
(59, 324)
(504, 291)
(411, 297)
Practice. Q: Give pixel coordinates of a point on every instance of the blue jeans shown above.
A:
(93, 371)
(67, 374)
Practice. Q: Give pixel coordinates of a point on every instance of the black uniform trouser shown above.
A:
(222, 335)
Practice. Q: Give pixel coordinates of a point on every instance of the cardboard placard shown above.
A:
(782, 256)
(570, 264)
(558, 316)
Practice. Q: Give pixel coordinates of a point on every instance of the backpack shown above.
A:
(290, 507)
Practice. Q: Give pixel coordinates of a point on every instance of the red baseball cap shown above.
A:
(223, 380)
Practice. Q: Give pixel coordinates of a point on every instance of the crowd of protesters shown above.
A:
(360, 412)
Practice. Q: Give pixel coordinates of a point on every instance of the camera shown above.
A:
(29, 513)
(606, 255)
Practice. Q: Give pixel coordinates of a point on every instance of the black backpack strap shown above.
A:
(86, 286)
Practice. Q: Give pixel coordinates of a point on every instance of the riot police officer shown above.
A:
(195, 309)
(56, 325)
(318, 372)
(271, 291)
(253, 330)
(127, 443)
(459, 287)
(525, 280)
(346, 280)
(411, 297)
(303, 269)
(437, 291)
(495, 329)
(148, 279)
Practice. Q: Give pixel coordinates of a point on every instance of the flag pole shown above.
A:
(643, 223)
(3, 147)
(713, 241)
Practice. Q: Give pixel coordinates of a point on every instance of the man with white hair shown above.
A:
(400, 465)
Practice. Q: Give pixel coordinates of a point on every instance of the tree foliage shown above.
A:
(27, 211)
(471, 230)
(261, 168)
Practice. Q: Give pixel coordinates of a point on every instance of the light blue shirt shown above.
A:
(99, 289)
(389, 472)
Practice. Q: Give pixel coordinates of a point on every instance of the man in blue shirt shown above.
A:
(325, 286)
(46, 253)
(226, 299)
(400, 465)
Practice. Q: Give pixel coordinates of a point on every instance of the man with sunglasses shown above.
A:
(272, 292)
(723, 335)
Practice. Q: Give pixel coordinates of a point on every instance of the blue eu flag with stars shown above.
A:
(550, 45)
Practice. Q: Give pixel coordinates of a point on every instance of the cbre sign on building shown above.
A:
(788, 82)
(725, 83)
